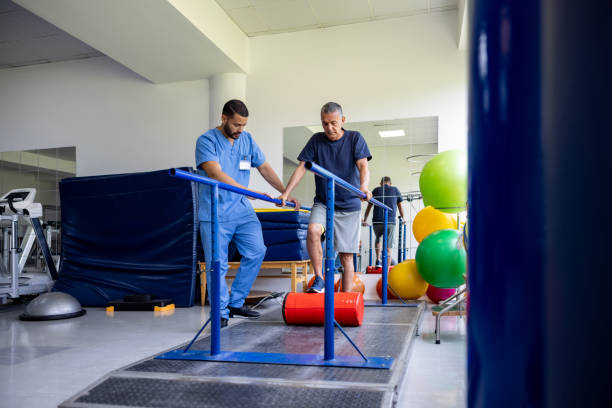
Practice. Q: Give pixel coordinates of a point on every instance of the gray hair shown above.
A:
(331, 107)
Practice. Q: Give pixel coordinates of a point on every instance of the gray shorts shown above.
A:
(378, 231)
(347, 225)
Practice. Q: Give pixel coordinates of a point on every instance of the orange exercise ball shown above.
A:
(390, 294)
(429, 220)
(358, 285)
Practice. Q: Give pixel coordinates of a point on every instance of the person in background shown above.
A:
(392, 198)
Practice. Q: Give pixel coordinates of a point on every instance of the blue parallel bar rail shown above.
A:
(224, 186)
(215, 353)
(320, 171)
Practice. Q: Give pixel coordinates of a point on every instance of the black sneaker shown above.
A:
(243, 311)
(318, 286)
(224, 322)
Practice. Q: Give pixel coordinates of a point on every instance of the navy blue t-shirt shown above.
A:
(389, 196)
(339, 157)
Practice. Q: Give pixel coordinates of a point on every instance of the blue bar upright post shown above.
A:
(370, 251)
(215, 313)
(399, 240)
(404, 242)
(330, 261)
(384, 259)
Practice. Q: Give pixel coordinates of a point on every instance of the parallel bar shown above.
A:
(223, 186)
(329, 272)
(315, 168)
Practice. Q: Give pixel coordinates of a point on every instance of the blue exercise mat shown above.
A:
(127, 234)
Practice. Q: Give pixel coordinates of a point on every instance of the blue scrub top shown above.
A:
(213, 146)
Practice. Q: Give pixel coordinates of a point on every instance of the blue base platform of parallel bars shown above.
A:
(279, 358)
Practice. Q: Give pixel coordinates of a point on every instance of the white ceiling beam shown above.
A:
(161, 40)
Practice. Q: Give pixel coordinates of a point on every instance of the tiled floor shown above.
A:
(44, 363)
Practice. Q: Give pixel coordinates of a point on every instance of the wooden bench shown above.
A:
(292, 265)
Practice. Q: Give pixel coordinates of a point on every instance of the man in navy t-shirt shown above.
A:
(346, 154)
(391, 197)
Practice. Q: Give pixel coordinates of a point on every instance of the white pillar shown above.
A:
(224, 87)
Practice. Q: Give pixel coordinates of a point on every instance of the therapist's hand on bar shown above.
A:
(286, 197)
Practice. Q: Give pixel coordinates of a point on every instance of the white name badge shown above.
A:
(245, 165)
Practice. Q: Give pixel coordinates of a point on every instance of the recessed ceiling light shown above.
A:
(392, 133)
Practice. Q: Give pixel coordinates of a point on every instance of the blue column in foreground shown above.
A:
(330, 266)
(576, 113)
(505, 204)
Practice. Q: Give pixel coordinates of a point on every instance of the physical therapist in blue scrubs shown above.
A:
(227, 153)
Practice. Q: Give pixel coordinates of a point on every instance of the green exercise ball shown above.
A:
(441, 260)
(443, 181)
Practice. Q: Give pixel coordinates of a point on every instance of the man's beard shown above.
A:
(228, 132)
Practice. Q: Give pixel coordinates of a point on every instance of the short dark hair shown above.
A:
(331, 107)
(235, 106)
(385, 179)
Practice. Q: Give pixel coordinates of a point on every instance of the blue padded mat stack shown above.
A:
(128, 234)
(284, 234)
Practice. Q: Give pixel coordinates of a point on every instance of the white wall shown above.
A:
(118, 121)
(397, 68)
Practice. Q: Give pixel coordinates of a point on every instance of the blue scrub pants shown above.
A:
(246, 234)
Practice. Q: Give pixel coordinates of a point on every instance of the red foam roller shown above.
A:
(309, 308)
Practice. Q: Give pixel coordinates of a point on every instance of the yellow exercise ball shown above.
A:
(429, 220)
(406, 281)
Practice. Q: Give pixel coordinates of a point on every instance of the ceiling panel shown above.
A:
(248, 19)
(26, 39)
(58, 47)
(288, 14)
(340, 11)
(21, 24)
(394, 7)
(7, 5)
(14, 53)
(260, 17)
(232, 4)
